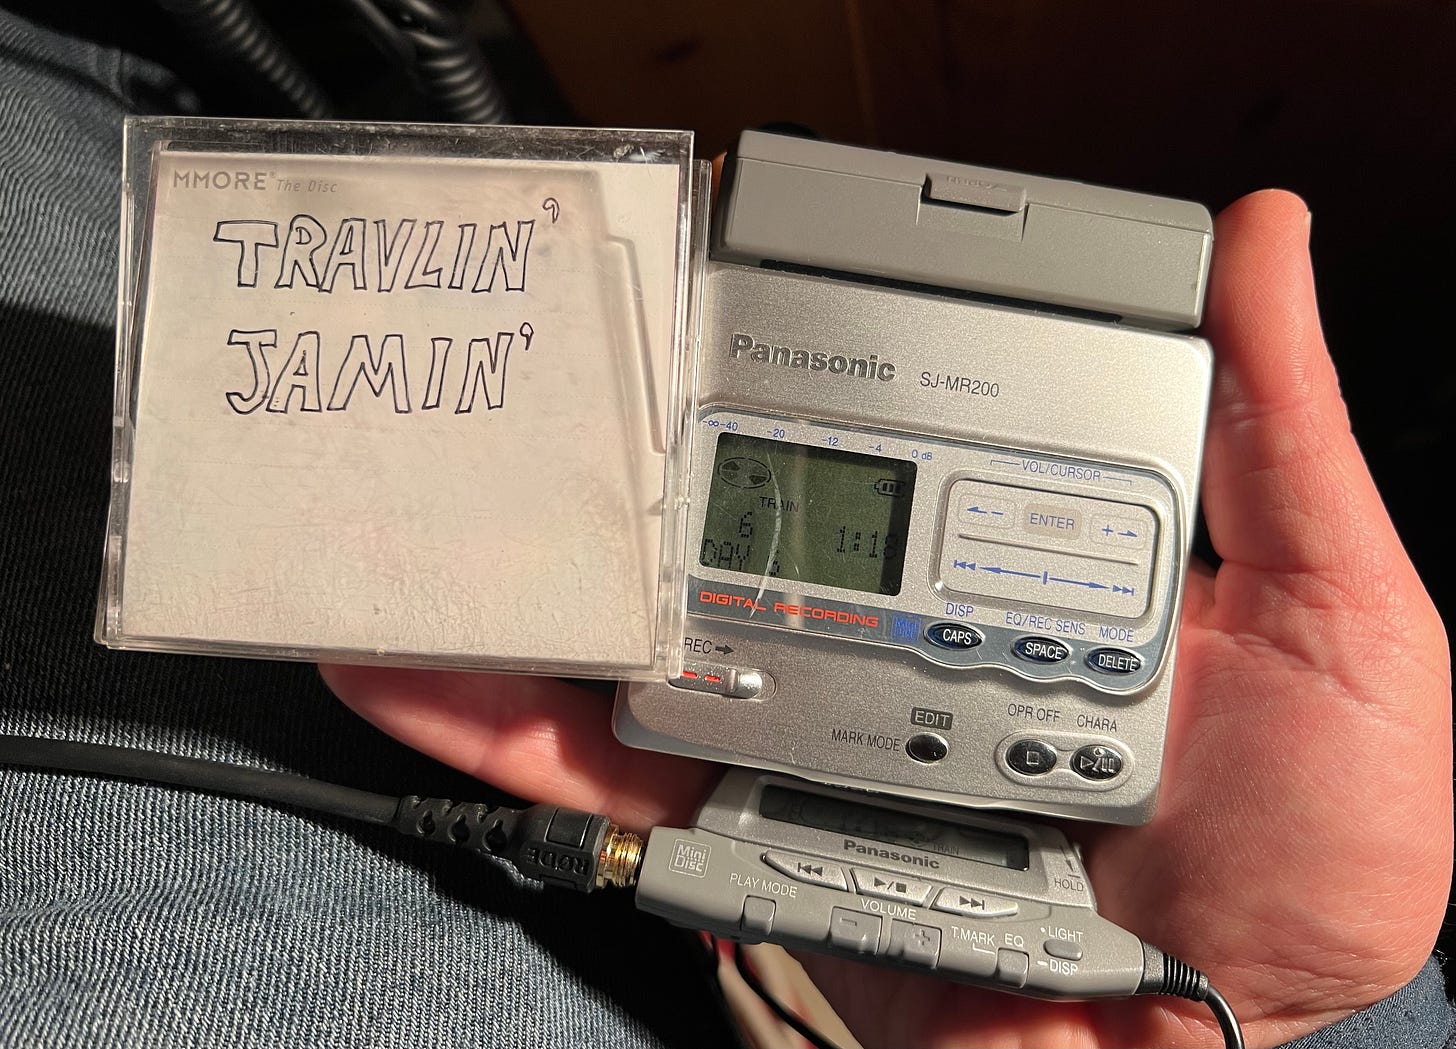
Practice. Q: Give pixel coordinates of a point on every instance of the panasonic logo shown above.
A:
(850, 845)
(746, 348)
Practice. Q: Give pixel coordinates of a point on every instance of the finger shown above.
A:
(1285, 486)
(537, 737)
(1311, 561)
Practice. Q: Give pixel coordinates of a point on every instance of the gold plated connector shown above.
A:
(620, 860)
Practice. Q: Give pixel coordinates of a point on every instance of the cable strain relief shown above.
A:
(471, 825)
(1165, 974)
(549, 843)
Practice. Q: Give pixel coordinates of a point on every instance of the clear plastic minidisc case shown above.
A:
(403, 394)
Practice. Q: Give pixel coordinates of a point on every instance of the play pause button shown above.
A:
(971, 904)
(889, 887)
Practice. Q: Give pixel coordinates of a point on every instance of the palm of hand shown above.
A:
(1272, 863)
(1302, 844)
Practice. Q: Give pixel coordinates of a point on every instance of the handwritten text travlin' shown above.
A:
(310, 370)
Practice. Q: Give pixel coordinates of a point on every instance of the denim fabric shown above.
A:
(140, 916)
(1417, 1016)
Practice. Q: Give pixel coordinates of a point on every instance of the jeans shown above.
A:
(133, 915)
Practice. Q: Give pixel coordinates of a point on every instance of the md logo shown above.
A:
(690, 858)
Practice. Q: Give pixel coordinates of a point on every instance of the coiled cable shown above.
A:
(234, 32)
(448, 63)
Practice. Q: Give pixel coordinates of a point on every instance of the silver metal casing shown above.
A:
(1085, 414)
(1023, 655)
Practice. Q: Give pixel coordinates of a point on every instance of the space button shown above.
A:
(1044, 650)
(891, 886)
(973, 904)
(805, 868)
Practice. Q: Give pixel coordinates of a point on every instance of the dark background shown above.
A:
(1350, 104)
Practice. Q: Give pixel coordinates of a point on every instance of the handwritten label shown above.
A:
(393, 405)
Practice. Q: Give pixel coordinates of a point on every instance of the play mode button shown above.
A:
(953, 636)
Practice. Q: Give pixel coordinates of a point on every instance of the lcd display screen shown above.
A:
(815, 515)
(892, 827)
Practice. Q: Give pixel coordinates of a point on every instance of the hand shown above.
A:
(1301, 852)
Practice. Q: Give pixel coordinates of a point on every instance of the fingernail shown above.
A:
(1308, 223)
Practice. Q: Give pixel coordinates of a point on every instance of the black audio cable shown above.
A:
(559, 846)
(425, 39)
(556, 845)
(447, 61)
(1164, 974)
(235, 33)
(800, 1026)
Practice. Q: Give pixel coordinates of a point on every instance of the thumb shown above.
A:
(1311, 561)
(1285, 486)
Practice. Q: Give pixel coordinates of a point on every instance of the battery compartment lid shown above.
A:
(1136, 257)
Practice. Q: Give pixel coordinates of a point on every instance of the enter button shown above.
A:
(1060, 522)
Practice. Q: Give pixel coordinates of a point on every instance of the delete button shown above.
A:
(1062, 522)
